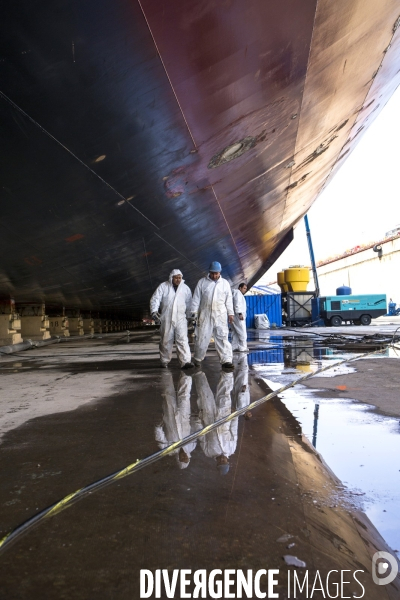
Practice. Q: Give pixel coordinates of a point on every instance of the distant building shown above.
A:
(367, 270)
(393, 232)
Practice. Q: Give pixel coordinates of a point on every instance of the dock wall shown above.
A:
(365, 272)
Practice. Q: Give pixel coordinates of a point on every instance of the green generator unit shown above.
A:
(359, 310)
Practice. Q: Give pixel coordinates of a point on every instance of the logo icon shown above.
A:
(384, 568)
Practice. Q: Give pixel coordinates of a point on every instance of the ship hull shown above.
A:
(138, 138)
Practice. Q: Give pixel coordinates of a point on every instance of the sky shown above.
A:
(361, 203)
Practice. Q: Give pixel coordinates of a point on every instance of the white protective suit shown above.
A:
(223, 440)
(176, 423)
(211, 305)
(174, 308)
(239, 332)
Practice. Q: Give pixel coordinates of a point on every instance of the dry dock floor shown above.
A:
(74, 412)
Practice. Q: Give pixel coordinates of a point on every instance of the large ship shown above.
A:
(143, 135)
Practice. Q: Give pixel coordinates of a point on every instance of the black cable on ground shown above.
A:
(333, 338)
(140, 464)
(309, 324)
(339, 335)
(395, 335)
(324, 335)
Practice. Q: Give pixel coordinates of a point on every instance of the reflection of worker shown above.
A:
(212, 306)
(220, 443)
(176, 423)
(174, 298)
(241, 390)
(239, 333)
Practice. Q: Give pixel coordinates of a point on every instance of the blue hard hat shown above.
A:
(215, 267)
(223, 469)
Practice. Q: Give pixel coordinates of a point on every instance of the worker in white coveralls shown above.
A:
(170, 304)
(212, 308)
(239, 332)
(176, 422)
(241, 389)
(220, 443)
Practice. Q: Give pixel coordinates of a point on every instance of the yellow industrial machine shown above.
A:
(296, 301)
(281, 282)
(294, 279)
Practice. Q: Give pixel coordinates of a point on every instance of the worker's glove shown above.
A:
(156, 317)
(241, 317)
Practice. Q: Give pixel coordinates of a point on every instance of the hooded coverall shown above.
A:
(212, 303)
(176, 423)
(223, 440)
(175, 308)
(239, 332)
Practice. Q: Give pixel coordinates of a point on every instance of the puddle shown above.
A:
(361, 447)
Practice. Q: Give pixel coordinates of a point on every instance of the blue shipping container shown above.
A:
(261, 357)
(268, 304)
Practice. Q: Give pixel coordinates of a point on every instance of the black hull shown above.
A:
(115, 115)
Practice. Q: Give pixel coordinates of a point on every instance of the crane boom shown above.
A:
(312, 257)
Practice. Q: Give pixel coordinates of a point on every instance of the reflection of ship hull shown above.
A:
(115, 117)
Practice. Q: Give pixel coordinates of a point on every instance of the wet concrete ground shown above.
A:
(374, 381)
(75, 412)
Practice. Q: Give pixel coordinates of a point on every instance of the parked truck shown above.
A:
(357, 309)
